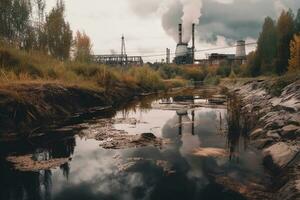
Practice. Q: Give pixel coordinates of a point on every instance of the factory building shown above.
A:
(185, 54)
(216, 59)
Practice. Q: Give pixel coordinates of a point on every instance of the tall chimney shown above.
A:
(180, 34)
(193, 42)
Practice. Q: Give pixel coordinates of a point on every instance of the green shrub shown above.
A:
(211, 80)
(175, 83)
(224, 69)
(147, 78)
(276, 87)
(193, 73)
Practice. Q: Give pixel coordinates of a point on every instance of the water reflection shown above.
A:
(95, 173)
(36, 184)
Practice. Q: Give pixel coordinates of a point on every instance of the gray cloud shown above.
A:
(239, 19)
(144, 8)
(231, 19)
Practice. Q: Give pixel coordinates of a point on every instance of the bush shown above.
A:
(193, 73)
(147, 78)
(224, 70)
(175, 83)
(211, 80)
(168, 72)
(276, 87)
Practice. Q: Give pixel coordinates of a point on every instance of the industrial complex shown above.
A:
(184, 55)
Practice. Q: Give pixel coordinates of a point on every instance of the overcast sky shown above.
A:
(150, 26)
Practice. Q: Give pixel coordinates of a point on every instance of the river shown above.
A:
(196, 158)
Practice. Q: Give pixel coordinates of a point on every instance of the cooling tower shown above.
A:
(240, 49)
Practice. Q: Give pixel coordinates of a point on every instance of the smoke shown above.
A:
(191, 14)
(171, 12)
(186, 12)
(229, 19)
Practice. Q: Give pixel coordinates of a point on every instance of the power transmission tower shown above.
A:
(123, 52)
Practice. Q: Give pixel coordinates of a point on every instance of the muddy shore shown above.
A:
(275, 131)
(28, 108)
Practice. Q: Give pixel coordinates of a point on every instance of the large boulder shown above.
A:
(289, 131)
(262, 143)
(278, 156)
(257, 133)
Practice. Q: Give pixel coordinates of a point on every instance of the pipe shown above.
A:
(193, 43)
(180, 34)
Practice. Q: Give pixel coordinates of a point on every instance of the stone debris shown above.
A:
(26, 163)
(257, 133)
(290, 131)
(131, 162)
(125, 141)
(250, 190)
(279, 155)
(277, 131)
(210, 152)
(112, 138)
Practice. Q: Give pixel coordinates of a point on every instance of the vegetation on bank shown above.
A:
(277, 47)
(19, 66)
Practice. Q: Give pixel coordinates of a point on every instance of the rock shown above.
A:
(274, 125)
(289, 131)
(262, 143)
(295, 119)
(278, 156)
(148, 136)
(273, 134)
(256, 133)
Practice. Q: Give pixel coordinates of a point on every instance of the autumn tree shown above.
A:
(285, 32)
(59, 33)
(83, 47)
(294, 62)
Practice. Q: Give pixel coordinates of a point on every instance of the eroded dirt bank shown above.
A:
(276, 131)
(27, 108)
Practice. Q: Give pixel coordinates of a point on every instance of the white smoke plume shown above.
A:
(229, 19)
(191, 14)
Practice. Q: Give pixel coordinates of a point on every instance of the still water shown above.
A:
(172, 171)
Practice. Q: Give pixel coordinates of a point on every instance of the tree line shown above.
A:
(26, 25)
(278, 46)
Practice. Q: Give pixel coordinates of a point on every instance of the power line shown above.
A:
(202, 50)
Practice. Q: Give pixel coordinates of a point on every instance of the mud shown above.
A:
(29, 108)
(26, 163)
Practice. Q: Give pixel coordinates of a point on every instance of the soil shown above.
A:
(28, 108)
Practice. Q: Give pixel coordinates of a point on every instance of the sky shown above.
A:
(150, 26)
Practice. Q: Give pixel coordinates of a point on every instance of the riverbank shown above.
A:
(29, 107)
(275, 131)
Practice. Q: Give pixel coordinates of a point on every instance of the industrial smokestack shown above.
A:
(180, 34)
(193, 42)
(240, 49)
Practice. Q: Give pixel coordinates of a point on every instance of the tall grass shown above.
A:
(21, 66)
